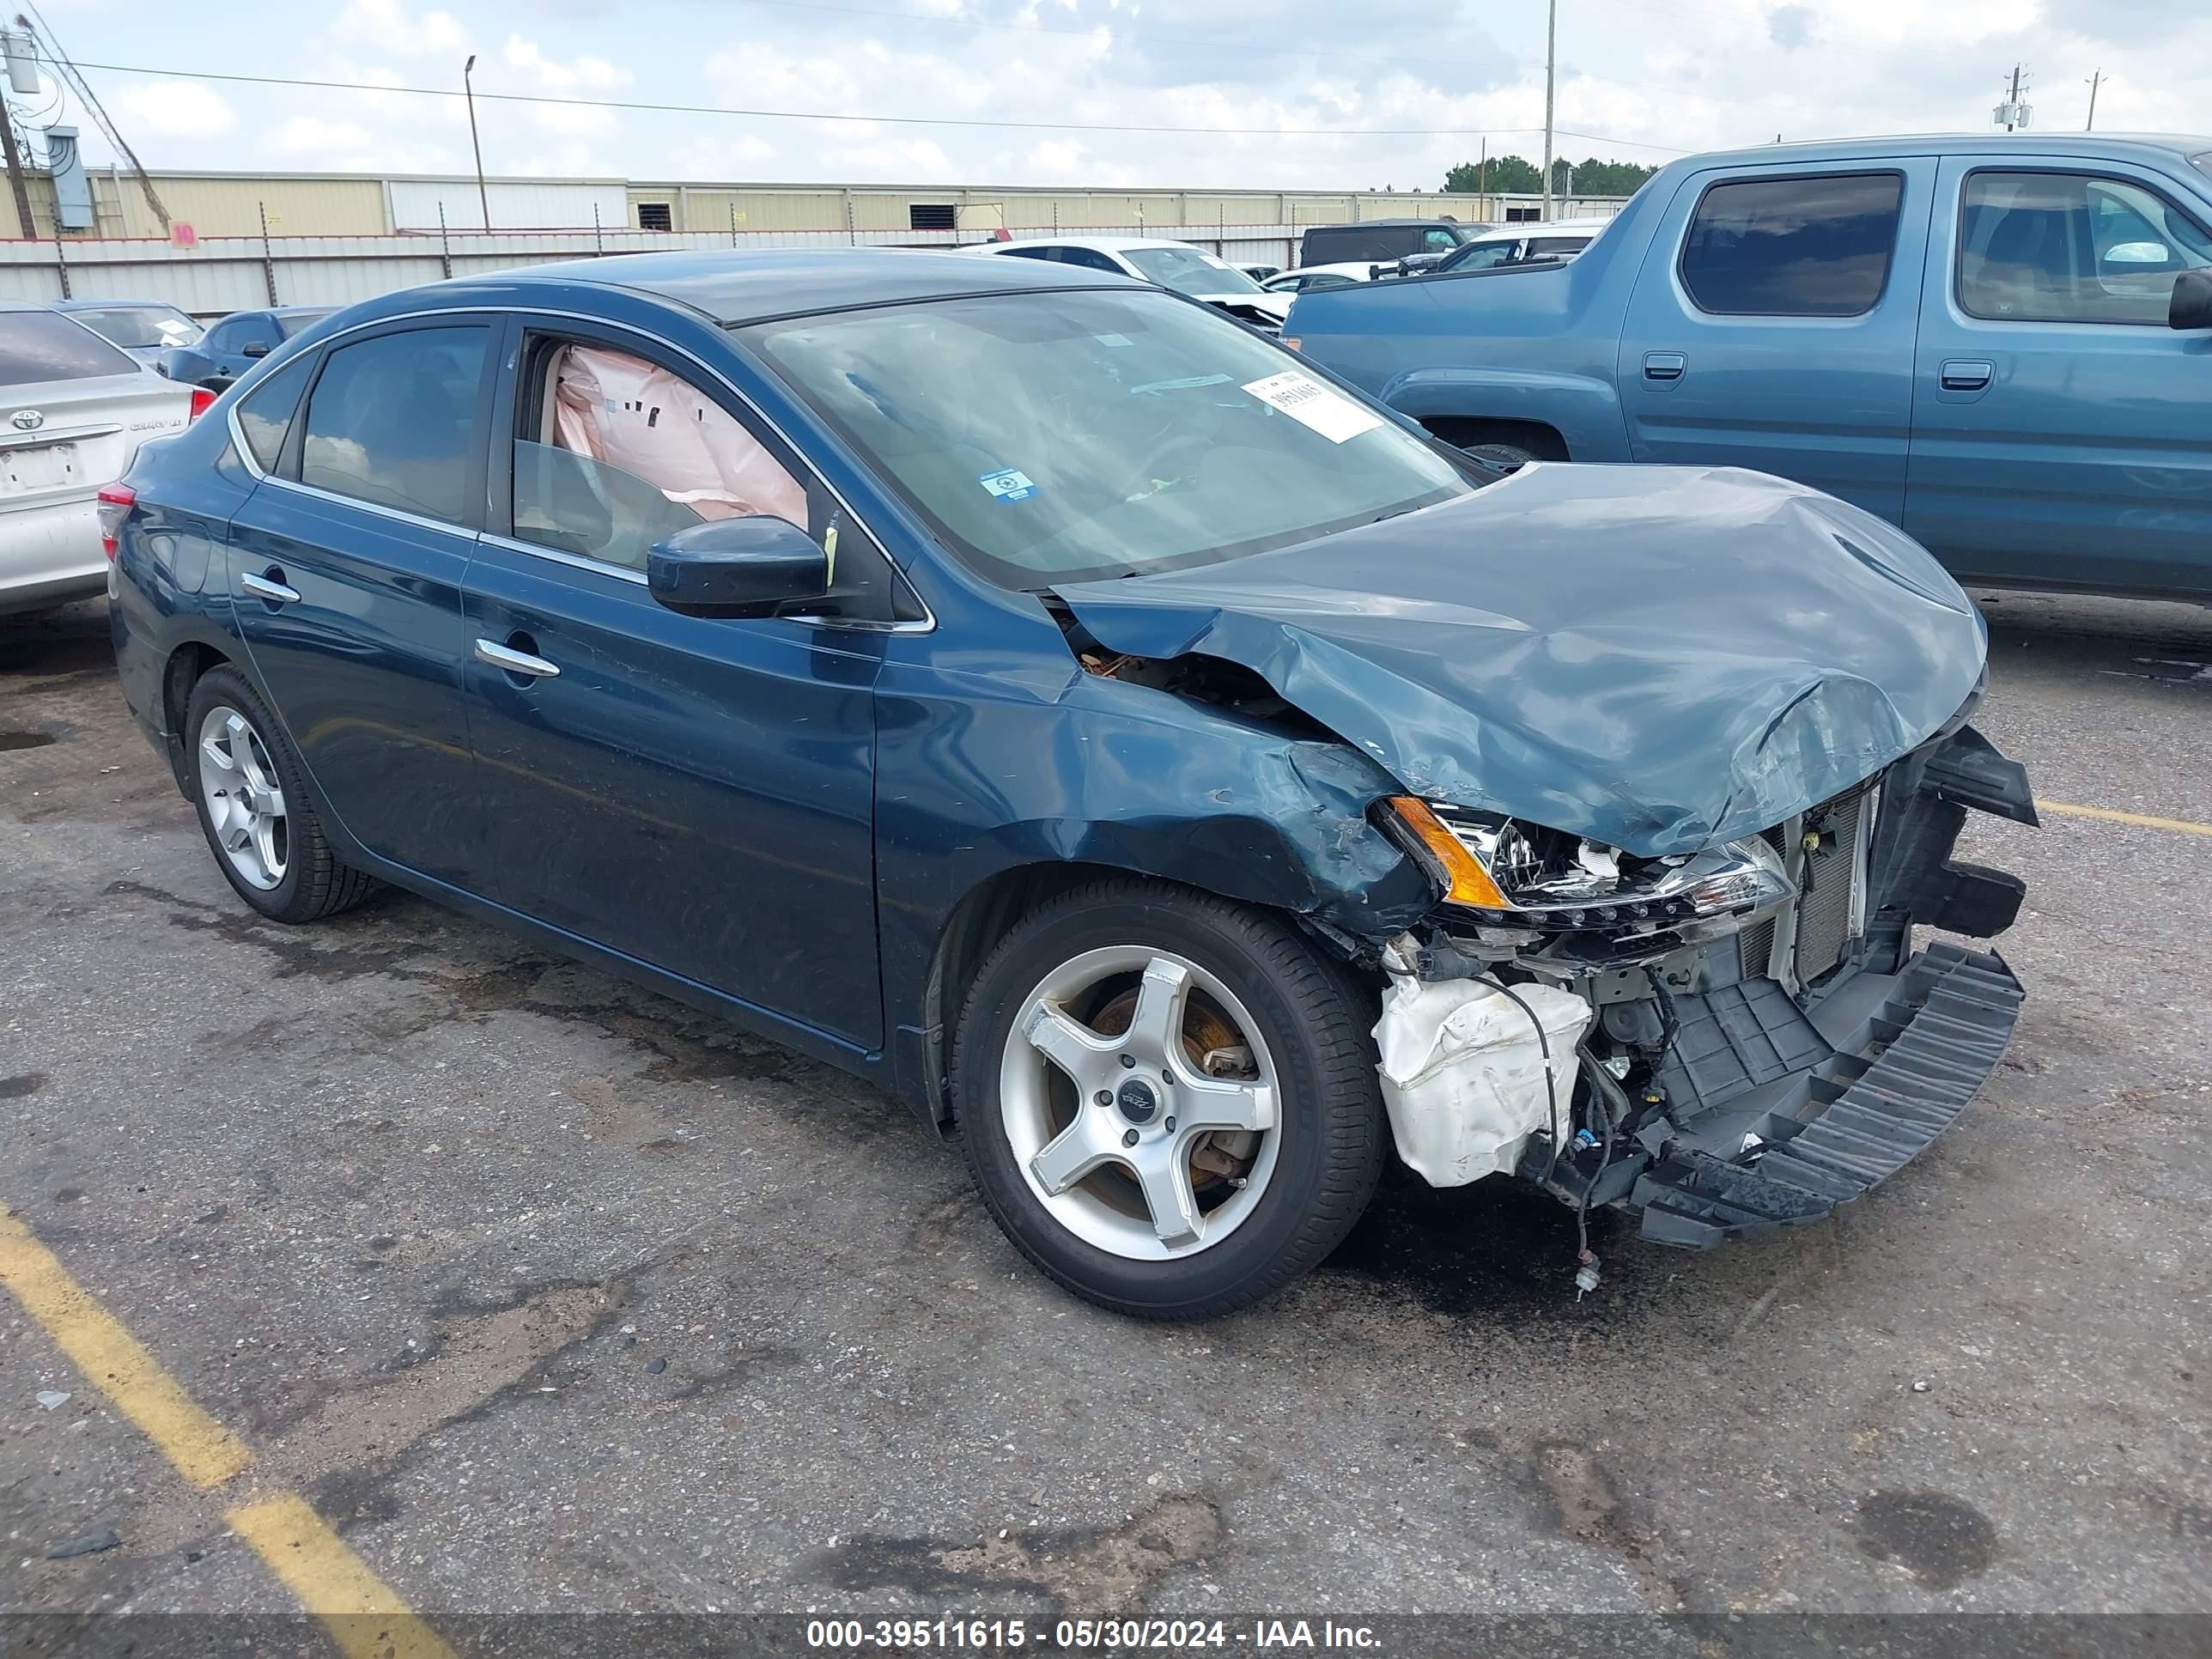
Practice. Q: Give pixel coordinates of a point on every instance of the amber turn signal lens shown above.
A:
(1470, 884)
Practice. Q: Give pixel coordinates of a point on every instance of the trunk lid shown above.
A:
(62, 439)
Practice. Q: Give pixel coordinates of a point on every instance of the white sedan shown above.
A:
(76, 410)
(1177, 265)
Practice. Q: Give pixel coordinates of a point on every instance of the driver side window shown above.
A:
(614, 452)
(2064, 247)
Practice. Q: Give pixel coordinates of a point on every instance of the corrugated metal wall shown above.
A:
(417, 204)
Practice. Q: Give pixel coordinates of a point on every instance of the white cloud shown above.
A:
(186, 108)
(585, 73)
(312, 133)
(390, 28)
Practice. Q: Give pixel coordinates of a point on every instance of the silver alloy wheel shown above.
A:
(245, 803)
(1110, 1150)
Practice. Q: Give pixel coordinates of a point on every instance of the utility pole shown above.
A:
(2012, 113)
(23, 78)
(483, 197)
(1551, 72)
(2095, 80)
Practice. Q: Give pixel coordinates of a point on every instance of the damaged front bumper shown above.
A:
(1756, 1080)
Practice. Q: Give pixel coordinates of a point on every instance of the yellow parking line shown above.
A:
(204, 1452)
(2140, 820)
(363, 1615)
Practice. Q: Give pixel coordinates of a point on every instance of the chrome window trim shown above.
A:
(925, 625)
(400, 514)
(557, 556)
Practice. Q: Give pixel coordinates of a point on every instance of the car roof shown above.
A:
(1333, 268)
(1103, 244)
(1372, 224)
(750, 285)
(117, 305)
(1539, 227)
(2107, 146)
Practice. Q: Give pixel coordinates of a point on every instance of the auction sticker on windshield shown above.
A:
(1009, 484)
(1310, 402)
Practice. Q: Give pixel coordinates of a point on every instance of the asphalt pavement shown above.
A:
(548, 1294)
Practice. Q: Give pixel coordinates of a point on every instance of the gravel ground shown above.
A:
(553, 1295)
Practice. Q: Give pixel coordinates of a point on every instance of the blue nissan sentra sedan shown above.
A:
(1178, 778)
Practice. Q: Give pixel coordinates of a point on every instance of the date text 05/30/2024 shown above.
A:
(1085, 1635)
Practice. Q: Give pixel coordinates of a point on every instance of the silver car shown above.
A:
(73, 410)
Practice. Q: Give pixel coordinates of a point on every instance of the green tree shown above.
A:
(1511, 175)
(1508, 175)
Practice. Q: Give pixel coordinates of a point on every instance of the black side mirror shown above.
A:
(2192, 304)
(756, 566)
(254, 349)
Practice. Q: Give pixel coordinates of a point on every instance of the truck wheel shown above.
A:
(254, 809)
(1508, 458)
(1168, 1101)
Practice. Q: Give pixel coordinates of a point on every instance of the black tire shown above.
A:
(1315, 1020)
(315, 884)
(1507, 458)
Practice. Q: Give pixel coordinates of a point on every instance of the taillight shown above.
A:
(115, 500)
(203, 401)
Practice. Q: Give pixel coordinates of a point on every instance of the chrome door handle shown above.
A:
(262, 587)
(1961, 375)
(515, 662)
(1664, 365)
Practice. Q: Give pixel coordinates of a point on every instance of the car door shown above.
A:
(236, 344)
(1772, 322)
(346, 567)
(696, 793)
(2059, 427)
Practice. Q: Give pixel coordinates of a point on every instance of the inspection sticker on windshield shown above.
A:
(1012, 484)
(1310, 402)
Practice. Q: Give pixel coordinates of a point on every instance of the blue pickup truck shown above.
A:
(2003, 343)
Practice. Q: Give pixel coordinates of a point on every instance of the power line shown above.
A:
(637, 104)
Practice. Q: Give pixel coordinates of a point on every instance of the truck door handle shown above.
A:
(1664, 365)
(1966, 375)
(510, 661)
(270, 587)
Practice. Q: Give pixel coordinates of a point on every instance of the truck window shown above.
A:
(2070, 247)
(1816, 245)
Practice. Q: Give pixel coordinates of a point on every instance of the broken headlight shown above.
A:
(1523, 875)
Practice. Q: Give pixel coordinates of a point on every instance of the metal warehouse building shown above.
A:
(218, 204)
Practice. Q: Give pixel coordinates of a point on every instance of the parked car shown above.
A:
(1170, 264)
(236, 342)
(1120, 758)
(144, 328)
(1306, 278)
(1260, 274)
(1382, 241)
(78, 408)
(1999, 342)
(1512, 245)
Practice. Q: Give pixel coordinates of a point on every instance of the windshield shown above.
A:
(1062, 436)
(141, 326)
(1188, 271)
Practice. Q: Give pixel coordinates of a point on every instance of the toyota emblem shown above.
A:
(27, 419)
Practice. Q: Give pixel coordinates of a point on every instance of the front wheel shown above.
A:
(1169, 1102)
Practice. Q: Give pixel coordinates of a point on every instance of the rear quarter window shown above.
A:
(1814, 245)
(44, 345)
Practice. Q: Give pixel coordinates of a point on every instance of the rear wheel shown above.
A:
(1168, 1101)
(254, 808)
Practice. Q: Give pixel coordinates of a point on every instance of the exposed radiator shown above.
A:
(1825, 914)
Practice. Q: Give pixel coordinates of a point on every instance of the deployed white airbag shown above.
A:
(1463, 1072)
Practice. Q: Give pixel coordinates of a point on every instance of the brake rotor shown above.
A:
(1214, 1047)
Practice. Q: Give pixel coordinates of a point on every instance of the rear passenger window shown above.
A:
(392, 421)
(265, 414)
(1812, 247)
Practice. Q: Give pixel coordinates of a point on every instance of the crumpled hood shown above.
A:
(1657, 657)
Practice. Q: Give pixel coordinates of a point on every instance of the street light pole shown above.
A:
(1551, 70)
(483, 197)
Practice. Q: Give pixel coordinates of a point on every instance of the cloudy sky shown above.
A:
(1362, 95)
